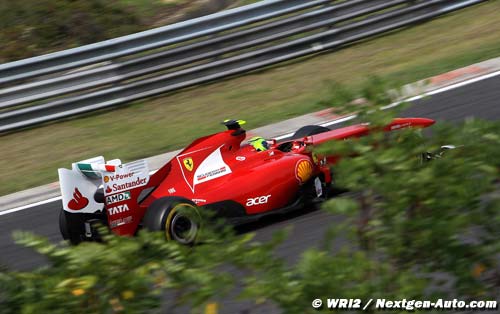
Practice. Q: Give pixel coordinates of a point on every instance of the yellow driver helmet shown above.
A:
(259, 143)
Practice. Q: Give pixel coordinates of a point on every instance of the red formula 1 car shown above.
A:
(216, 173)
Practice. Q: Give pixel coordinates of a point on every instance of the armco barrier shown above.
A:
(145, 64)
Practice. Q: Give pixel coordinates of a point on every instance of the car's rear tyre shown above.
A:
(66, 232)
(309, 130)
(178, 217)
(63, 225)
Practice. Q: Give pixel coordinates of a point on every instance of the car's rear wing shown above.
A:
(122, 184)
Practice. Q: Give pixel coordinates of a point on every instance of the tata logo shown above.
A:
(188, 163)
(116, 198)
(258, 200)
(118, 209)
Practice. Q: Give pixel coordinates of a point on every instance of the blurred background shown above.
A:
(30, 28)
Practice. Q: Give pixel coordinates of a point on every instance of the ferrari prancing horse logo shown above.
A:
(188, 163)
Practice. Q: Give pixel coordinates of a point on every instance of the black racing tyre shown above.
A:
(178, 217)
(309, 130)
(66, 232)
(63, 225)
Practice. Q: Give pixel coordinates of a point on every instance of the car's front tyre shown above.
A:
(309, 130)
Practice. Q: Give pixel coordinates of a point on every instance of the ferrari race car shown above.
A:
(215, 173)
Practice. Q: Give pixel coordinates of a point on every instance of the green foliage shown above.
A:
(319, 274)
(436, 216)
(123, 275)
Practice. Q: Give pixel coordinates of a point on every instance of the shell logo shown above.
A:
(304, 170)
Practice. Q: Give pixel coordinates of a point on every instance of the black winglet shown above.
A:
(235, 125)
(232, 124)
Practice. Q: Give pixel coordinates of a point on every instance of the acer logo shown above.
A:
(118, 209)
(258, 200)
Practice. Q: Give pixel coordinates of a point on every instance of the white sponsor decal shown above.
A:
(213, 173)
(118, 209)
(258, 200)
(171, 190)
(119, 222)
(198, 200)
(120, 176)
(126, 177)
(211, 168)
(77, 192)
(240, 158)
(116, 198)
(196, 155)
(115, 187)
(399, 126)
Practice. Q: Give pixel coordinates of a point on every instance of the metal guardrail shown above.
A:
(165, 59)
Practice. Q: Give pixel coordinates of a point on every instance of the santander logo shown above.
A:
(79, 201)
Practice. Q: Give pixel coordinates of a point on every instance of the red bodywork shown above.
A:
(217, 170)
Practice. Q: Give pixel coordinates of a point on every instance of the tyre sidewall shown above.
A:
(67, 230)
(63, 225)
(160, 213)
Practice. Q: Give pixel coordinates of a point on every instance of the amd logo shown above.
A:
(116, 198)
(258, 200)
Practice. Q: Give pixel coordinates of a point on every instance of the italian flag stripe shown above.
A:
(85, 167)
(94, 170)
(110, 168)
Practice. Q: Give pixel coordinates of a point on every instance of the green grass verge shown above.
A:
(31, 157)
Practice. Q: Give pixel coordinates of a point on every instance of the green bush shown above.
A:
(123, 275)
(438, 216)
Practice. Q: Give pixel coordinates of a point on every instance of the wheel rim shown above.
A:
(183, 228)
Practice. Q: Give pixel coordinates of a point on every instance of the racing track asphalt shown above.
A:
(480, 99)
